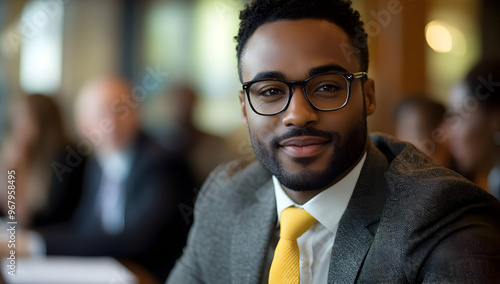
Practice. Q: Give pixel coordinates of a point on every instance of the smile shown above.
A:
(304, 146)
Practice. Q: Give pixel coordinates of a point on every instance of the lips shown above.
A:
(304, 146)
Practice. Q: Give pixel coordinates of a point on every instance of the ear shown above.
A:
(370, 101)
(241, 95)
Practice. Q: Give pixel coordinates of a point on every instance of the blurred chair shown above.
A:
(36, 140)
(420, 121)
(202, 151)
(132, 187)
(474, 116)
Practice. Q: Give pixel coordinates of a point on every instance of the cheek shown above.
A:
(91, 124)
(262, 127)
(342, 120)
(123, 127)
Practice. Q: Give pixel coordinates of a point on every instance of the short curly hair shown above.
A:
(339, 12)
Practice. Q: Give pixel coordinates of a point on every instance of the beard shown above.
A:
(346, 152)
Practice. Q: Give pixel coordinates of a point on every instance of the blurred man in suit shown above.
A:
(347, 207)
(132, 187)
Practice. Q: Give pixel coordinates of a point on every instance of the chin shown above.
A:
(319, 163)
(306, 180)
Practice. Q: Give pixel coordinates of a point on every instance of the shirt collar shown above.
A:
(329, 205)
(116, 165)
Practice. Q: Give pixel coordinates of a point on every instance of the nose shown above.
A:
(299, 112)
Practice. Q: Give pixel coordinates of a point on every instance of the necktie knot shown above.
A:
(295, 222)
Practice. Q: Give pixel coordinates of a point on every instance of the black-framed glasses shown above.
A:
(324, 92)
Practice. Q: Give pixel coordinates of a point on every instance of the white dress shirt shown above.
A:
(111, 195)
(315, 245)
(110, 199)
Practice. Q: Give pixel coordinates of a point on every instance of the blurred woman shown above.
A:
(36, 139)
(474, 116)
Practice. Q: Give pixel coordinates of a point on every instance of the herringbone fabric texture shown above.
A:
(285, 265)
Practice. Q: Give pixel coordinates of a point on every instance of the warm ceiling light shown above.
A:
(438, 37)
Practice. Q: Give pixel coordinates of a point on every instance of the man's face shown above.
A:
(104, 104)
(304, 148)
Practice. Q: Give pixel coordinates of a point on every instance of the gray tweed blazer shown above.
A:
(408, 221)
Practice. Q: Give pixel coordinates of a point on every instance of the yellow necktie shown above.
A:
(285, 267)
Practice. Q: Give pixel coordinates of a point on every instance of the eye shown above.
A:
(271, 91)
(328, 88)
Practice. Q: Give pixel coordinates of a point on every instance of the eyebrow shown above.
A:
(312, 72)
(269, 75)
(326, 68)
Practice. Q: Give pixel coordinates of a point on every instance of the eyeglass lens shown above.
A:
(325, 92)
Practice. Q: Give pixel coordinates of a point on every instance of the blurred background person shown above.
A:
(420, 121)
(132, 187)
(202, 151)
(474, 115)
(36, 139)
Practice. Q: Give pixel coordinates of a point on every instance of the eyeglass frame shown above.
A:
(348, 76)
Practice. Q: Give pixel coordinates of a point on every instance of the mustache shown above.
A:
(307, 131)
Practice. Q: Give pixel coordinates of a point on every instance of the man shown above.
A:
(132, 187)
(381, 211)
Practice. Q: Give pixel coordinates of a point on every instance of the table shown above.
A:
(75, 270)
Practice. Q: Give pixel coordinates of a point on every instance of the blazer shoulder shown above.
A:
(235, 181)
(233, 195)
(430, 190)
(413, 174)
(440, 224)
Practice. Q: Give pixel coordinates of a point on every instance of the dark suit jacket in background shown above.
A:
(154, 231)
(408, 221)
(63, 195)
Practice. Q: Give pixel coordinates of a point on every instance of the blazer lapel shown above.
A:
(359, 222)
(86, 215)
(251, 235)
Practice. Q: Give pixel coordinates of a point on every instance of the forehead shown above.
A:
(295, 46)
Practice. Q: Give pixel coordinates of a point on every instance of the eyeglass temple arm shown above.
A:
(359, 75)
